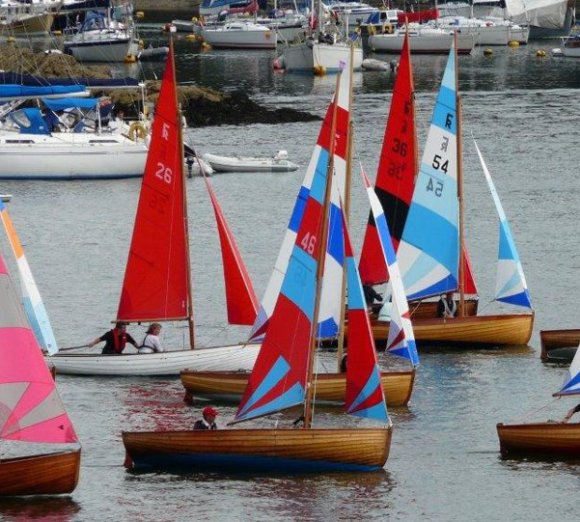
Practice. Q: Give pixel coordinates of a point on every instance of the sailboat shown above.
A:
(32, 411)
(283, 374)
(432, 268)
(157, 284)
(321, 52)
(559, 345)
(331, 386)
(551, 439)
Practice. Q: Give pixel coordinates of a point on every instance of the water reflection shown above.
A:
(41, 509)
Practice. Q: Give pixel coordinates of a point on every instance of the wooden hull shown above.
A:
(492, 330)
(219, 358)
(330, 387)
(550, 439)
(247, 450)
(559, 345)
(428, 309)
(49, 474)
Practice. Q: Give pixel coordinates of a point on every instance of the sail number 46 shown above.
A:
(164, 173)
(308, 243)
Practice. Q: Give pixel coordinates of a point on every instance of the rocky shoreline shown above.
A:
(201, 106)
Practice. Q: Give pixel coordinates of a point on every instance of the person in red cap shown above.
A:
(208, 421)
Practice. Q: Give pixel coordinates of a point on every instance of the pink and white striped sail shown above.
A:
(30, 407)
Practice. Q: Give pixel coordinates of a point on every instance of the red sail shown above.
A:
(240, 296)
(396, 172)
(156, 278)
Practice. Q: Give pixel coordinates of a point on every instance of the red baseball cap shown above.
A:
(208, 410)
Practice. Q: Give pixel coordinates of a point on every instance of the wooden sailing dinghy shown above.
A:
(559, 345)
(330, 387)
(32, 411)
(282, 375)
(157, 283)
(545, 439)
(431, 268)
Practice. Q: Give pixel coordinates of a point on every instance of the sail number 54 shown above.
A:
(164, 173)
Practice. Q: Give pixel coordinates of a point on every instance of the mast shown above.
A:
(348, 175)
(459, 184)
(190, 323)
(321, 246)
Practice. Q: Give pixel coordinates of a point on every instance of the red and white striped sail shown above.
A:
(156, 284)
(242, 303)
(30, 407)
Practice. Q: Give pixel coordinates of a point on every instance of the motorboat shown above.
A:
(570, 47)
(240, 34)
(277, 163)
(423, 39)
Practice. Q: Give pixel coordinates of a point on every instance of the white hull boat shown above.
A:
(278, 163)
(240, 35)
(70, 156)
(222, 358)
(316, 57)
(5, 197)
(570, 47)
(485, 32)
(100, 48)
(423, 40)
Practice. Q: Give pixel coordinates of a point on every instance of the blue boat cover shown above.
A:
(61, 104)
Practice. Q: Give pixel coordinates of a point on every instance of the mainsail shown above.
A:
(429, 254)
(511, 284)
(31, 300)
(156, 284)
(30, 408)
(329, 317)
(396, 171)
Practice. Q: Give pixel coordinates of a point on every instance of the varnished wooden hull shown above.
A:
(247, 450)
(559, 345)
(49, 474)
(330, 387)
(493, 330)
(551, 439)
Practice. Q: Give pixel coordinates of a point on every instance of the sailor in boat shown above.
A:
(571, 412)
(115, 340)
(447, 307)
(371, 296)
(208, 422)
(151, 343)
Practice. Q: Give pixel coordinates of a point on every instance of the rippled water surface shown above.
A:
(444, 463)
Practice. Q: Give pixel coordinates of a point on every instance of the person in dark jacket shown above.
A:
(447, 307)
(115, 340)
(571, 412)
(208, 422)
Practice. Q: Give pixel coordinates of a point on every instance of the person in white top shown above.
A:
(151, 342)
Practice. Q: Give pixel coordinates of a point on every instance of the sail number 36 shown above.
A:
(164, 173)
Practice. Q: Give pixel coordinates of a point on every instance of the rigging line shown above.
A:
(531, 412)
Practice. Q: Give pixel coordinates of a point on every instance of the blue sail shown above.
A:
(511, 286)
(429, 248)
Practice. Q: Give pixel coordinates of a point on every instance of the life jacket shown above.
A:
(119, 340)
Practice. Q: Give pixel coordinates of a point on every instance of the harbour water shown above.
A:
(444, 463)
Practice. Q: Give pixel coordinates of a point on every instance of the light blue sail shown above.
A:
(429, 250)
(511, 284)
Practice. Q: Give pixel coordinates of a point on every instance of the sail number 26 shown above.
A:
(163, 173)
